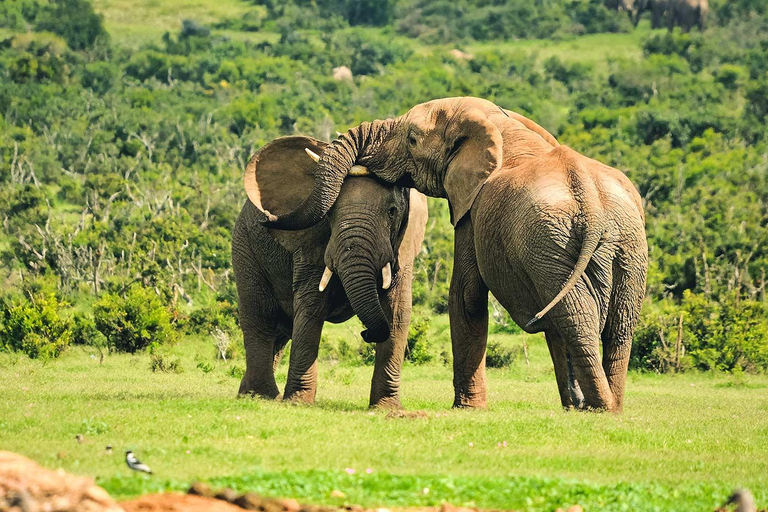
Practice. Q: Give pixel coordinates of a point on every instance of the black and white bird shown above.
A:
(135, 464)
(108, 449)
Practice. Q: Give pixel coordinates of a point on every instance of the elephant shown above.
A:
(356, 260)
(558, 238)
(636, 8)
(687, 14)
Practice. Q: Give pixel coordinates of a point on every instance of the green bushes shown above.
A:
(35, 326)
(726, 335)
(133, 322)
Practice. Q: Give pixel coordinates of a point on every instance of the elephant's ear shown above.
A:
(534, 127)
(476, 152)
(277, 179)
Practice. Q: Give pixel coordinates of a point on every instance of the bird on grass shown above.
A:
(108, 449)
(80, 438)
(135, 464)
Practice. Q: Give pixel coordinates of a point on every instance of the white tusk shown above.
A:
(338, 134)
(325, 279)
(359, 170)
(386, 276)
(314, 156)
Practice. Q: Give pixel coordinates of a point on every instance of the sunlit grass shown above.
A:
(687, 436)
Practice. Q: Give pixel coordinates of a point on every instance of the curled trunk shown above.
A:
(339, 156)
(360, 284)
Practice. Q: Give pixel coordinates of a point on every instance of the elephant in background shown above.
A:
(366, 244)
(687, 14)
(558, 238)
(636, 8)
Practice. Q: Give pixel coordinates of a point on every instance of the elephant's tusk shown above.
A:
(338, 134)
(314, 156)
(386, 276)
(359, 170)
(325, 279)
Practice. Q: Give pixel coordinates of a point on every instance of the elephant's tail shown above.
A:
(593, 233)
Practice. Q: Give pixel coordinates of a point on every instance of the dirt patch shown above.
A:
(392, 415)
(26, 486)
(172, 502)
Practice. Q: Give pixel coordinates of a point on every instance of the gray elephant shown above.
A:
(636, 8)
(687, 14)
(558, 238)
(366, 244)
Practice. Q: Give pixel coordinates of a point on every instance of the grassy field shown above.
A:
(683, 442)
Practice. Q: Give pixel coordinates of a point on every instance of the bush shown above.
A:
(84, 331)
(498, 356)
(135, 321)
(165, 364)
(221, 316)
(417, 350)
(75, 21)
(724, 335)
(35, 326)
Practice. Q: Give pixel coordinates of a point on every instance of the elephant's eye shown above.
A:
(411, 140)
(391, 212)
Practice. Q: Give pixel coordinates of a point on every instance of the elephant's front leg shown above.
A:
(385, 385)
(468, 311)
(309, 312)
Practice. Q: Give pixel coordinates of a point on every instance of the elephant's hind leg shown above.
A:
(577, 321)
(623, 315)
(567, 385)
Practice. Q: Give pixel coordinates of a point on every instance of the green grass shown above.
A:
(683, 442)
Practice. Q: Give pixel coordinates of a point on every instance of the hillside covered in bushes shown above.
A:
(120, 168)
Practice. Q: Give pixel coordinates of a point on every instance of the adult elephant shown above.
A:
(366, 244)
(636, 8)
(557, 237)
(687, 14)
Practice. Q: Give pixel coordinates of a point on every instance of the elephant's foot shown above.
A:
(389, 403)
(249, 388)
(469, 401)
(302, 396)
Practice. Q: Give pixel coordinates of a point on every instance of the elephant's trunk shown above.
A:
(359, 277)
(337, 158)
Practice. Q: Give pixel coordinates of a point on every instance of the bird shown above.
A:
(743, 500)
(135, 464)
(108, 449)
(80, 438)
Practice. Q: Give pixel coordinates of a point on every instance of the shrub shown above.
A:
(84, 331)
(417, 350)
(35, 326)
(133, 322)
(221, 316)
(75, 21)
(165, 364)
(498, 356)
(725, 335)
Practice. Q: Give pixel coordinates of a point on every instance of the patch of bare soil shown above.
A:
(27, 487)
(172, 502)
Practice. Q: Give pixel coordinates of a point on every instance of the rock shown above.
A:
(342, 74)
(337, 494)
(227, 495)
(200, 489)
(290, 505)
(576, 508)
(30, 487)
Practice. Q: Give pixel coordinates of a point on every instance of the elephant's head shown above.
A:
(359, 238)
(443, 148)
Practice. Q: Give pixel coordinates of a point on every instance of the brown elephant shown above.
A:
(558, 238)
(366, 244)
(687, 14)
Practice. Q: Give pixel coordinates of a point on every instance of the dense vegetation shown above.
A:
(120, 170)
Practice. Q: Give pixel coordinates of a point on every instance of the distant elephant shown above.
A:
(636, 8)
(687, 14)
(366, 244)
(558, 238)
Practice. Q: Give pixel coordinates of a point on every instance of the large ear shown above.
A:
(277, 179)
(534, 127)
(478, 153)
